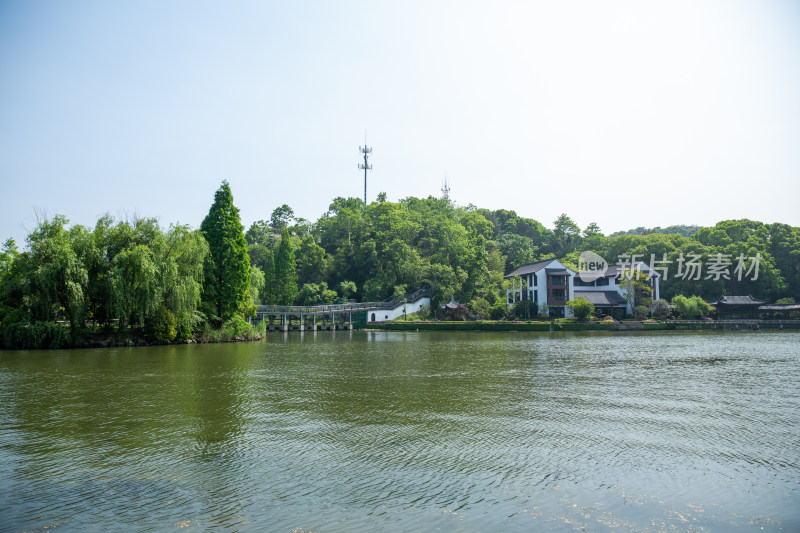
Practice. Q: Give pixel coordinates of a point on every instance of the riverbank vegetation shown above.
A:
(129, 281)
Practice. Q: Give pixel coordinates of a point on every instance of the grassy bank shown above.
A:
(579, 326)
(488, 325)
(51, 335)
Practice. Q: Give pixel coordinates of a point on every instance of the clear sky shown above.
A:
(622, 113)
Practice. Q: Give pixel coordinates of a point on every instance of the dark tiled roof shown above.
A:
(738, 300)
(557, 271)
(603, 298)
(613, 270)
(530, 268)
(451, 305)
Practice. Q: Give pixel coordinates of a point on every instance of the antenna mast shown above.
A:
(366, 150)
(446, 188)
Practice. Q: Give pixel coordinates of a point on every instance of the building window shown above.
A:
(602, 282)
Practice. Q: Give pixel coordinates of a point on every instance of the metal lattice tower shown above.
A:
(445, 188)
(366, 150)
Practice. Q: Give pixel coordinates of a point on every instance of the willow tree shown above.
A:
(57, 278)
(226, 290)
(181, 261)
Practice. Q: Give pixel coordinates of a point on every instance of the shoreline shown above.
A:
(679, 325)
(517, 326)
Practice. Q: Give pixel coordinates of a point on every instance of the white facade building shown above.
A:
(550, 285)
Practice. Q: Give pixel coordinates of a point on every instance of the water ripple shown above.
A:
(407, 431)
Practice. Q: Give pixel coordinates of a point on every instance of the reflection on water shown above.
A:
(343, 431)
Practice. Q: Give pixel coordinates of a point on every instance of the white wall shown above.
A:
(541, 284)
(383, 315)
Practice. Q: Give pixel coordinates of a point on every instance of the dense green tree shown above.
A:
(285, 271)
(7, 256)
(267, 265)
(592, 230)
(181, 262)
(691, 307)
(685, 231)
(347, 289)
(566, 235)
(260, 234)
(317, 293)
(636, 289)
(227, 268)
(281, 218)
(151, 280)
(311, 262)
(57, 278)
(518, 250)
(256, 290)
(661, 308)
(581, 308)
(135, 291)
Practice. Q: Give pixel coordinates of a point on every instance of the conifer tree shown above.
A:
(227, 266)
(268, 295)
(285, 271)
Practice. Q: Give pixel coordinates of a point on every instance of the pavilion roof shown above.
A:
(601, 298)
(738, 300)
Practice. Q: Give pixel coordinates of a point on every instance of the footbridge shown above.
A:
(340, 316)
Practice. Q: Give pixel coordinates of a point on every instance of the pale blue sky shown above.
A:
(625, 113)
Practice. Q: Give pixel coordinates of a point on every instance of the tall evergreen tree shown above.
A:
(268, 295)
(227, 266)
(285, 271)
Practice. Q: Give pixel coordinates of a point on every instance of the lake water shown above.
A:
(365, 431)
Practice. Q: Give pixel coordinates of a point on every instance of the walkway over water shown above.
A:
(340, 316)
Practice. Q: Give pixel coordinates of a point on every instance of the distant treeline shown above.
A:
(686, 231)
(138, 279)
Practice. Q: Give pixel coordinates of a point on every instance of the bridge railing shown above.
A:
(297, 309)
(391, 303)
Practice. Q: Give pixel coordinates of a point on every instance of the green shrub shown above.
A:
(237, 326)
(24, 336)
(498, 311)
(161, 327)
(581, 308)
(479, 308)
(692, 307)
(660, 308)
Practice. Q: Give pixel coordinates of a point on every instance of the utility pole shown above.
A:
(366, 150)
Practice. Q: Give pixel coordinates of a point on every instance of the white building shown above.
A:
(550, 285)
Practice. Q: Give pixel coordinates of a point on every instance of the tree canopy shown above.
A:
(134, 276)
(227, 266)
